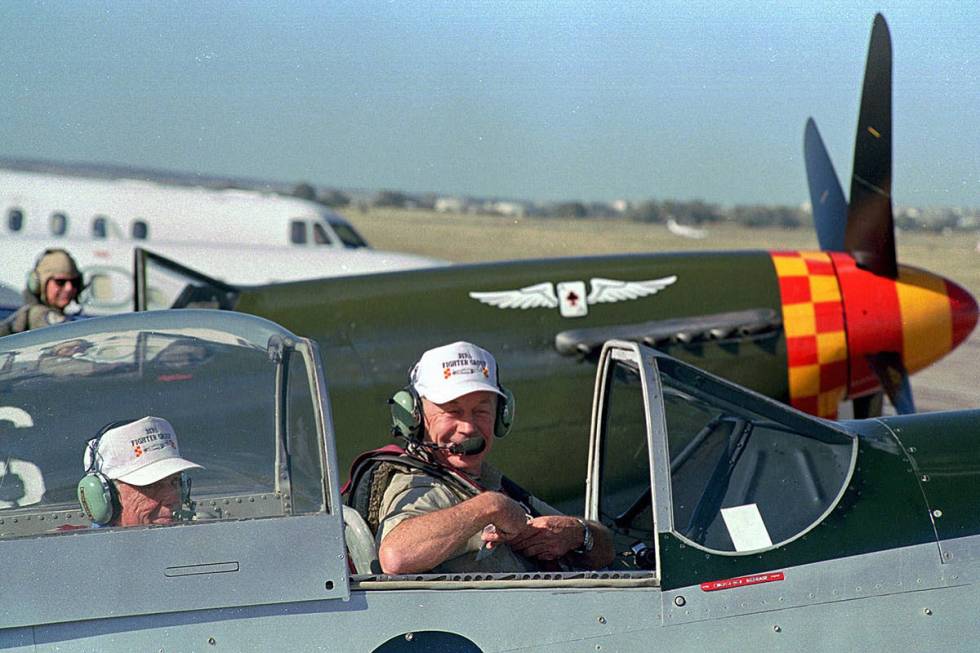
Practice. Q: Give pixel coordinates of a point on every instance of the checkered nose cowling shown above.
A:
(816, 341)
(835, 314)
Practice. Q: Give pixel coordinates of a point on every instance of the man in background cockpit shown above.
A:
(52, 285)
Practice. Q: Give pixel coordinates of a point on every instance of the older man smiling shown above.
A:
(133, 474)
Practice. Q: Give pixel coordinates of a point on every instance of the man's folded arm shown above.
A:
(421, 542)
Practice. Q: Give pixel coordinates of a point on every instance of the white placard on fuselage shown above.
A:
(746, 528)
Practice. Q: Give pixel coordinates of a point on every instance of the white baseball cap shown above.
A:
(451, 371)
(139, 453)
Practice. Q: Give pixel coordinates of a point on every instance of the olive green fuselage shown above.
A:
(371, 329)
(916, 481)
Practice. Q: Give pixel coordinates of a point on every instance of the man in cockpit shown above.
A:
(133, 474)
(52, 285)
(462, 515)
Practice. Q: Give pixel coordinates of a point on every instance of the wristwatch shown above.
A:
(587, 540)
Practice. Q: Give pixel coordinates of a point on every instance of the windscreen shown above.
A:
(625, 497)
(218, 393)
(162, 283)
(746, 474)
(348, 236)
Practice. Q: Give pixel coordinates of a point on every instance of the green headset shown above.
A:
(34, 279)
(406, 414)
(96, 492)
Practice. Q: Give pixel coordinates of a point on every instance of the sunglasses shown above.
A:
(74, 281)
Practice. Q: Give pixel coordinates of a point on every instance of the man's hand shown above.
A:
(507, 522)
(548, 537)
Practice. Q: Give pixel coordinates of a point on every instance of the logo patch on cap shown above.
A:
(140, 452)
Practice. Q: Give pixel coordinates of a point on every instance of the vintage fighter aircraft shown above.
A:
(743, 522)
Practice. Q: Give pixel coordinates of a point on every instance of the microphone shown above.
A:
(186, 510)
(468, 447)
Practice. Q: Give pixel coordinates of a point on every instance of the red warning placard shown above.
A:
(743, 581)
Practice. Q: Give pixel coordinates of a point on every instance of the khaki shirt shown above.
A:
(29, 317)
(410, 494)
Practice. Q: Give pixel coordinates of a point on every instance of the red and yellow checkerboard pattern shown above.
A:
(813, 320)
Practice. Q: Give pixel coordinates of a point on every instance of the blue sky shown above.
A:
(536, 100)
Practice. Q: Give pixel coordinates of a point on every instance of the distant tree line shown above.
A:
(695, 212)
(328, 197)
(692, 212)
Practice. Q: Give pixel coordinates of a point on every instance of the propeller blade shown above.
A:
(826, 194)
(870, 233)
(894, 378)
(868, 406)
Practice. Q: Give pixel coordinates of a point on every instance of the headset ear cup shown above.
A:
(33, 278)
(506, 410)
(96, 495)
(33, 283)
(406, 414)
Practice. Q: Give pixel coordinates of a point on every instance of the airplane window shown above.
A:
(99, 229)
(140, 230)
(219, 394)
(624, 497)
(625, 465)
(303, 450)
(15, 219)
(320, 236)
(745, 478)
(348, 235)
(58, 224)
(297, 232)
(170, 285)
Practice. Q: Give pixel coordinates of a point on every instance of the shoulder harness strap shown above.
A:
(372, 472)
(519, 494)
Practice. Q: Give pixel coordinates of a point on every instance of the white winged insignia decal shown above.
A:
(570, 298)
(541, 295)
